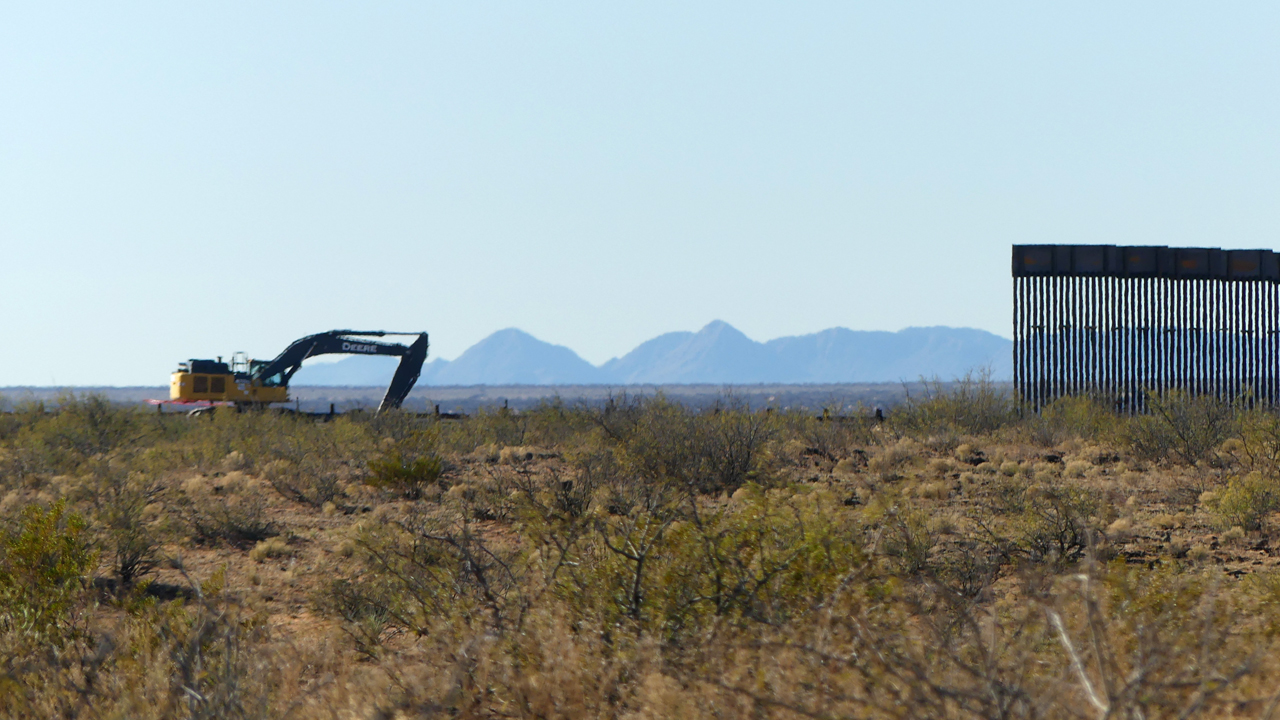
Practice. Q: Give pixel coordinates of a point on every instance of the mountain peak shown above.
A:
(514, 357)
(506, 335)
(717, 326)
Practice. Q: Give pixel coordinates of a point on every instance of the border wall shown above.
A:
(1122, 323)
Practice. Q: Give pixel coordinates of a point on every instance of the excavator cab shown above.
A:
(248, 383)
(277, 380)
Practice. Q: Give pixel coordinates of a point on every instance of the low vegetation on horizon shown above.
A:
(639, 559)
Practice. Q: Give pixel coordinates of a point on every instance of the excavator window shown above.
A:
(200, 384)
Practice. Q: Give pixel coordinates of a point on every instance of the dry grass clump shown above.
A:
(934, 490)
(234, 461)
(939, 467)
(848, 466)
(970, 454)
(489, 453)
(1076, 468)
(1234, 534)
(891, 460)
(270, 549)
(1120, 529)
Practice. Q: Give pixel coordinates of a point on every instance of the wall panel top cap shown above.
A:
(1244, 264)
(1193, 262)
(1031, 260)
(1140, 261)
(1270, 266)
(1218, 264)
(1089, 260)
(1145, 261)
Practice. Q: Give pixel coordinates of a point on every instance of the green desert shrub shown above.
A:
(47, 441)
(905, 539)
(207, 444)
(237, 519)
(973, 405)
(716, 450)
(1247, 502)
(127, 533)
(311, 463)
(83, 427)
(829, 436)
(1073, 416)
(409, 463)
(486, 426)
(406, 476)
(762, 559)
(1256, 444)
(554, 423)
(1180, 427)
(428, 574)
(1047, 521)
(44, 565)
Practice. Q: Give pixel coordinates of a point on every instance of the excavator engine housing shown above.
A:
(213, 381)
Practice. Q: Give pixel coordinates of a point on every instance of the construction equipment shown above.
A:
(257, 383)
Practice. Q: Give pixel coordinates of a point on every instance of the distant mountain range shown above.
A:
(718, 353)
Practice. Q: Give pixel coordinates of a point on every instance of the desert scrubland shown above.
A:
(639, 559)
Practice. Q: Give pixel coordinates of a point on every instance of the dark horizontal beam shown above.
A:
(1145, 261)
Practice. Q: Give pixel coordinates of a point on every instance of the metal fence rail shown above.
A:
(1122, 322)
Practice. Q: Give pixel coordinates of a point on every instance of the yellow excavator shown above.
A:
(258, 383)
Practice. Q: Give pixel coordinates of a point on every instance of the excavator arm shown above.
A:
(277, 372)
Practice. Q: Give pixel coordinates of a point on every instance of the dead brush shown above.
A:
(889, 463)
(239, 519)
(514, 455)
(130, 535)
(308, 481)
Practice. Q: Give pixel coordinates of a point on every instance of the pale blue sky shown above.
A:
(183, 181)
